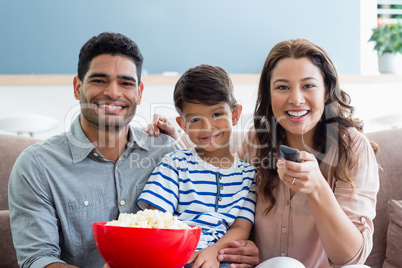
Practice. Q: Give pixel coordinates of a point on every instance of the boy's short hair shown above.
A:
(204, 84)
(114, 44)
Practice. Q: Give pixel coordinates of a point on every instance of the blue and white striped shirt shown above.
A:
(201, 194)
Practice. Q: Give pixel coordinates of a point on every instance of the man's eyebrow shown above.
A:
(103, 75)
(126, 77)
(98, 75)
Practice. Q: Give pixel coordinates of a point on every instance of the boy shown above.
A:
(205, 186)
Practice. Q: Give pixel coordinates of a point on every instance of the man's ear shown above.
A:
(140, 89)
(77, 87)
(181, 123)
(236, 112)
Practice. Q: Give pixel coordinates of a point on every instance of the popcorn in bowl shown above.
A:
(149, 218)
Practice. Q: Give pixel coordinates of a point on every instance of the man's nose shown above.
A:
(113, 90)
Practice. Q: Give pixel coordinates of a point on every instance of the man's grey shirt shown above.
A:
(58, 188)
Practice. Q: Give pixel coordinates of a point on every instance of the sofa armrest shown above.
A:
(8, 256)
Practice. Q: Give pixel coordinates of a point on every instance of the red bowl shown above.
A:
(123, 247)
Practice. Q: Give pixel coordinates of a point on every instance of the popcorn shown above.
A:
(149, 218)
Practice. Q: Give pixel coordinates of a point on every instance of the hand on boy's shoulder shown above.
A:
(160, 124)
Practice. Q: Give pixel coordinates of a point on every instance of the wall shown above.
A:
(44, 36)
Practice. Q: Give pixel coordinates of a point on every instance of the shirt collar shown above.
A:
(81, 147)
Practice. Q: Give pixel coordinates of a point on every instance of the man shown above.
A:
(91, 173)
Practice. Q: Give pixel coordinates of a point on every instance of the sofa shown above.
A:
(388, 222)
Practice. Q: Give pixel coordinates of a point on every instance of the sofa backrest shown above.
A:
(389, 158)
(10, 148)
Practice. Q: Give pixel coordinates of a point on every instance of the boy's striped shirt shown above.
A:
(201, 194)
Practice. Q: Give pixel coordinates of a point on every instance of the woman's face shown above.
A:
(298, 95)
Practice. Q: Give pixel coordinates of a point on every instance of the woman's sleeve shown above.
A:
(360, 205)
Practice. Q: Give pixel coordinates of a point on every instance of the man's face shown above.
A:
(109, 93)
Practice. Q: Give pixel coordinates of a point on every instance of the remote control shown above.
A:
(289, 153)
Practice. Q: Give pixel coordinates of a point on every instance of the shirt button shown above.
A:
(283, 253)
(86, 203)
(122, 202)
(96, 155)
(222, 187)
(284, 230)
(363, 220)
(220, 198)
(220, 177)
(116, 167)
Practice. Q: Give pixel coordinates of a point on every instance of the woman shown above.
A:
(320, 211)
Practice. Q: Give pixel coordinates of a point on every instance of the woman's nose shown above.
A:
(296, 97)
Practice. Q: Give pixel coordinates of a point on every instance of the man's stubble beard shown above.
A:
(112, 123)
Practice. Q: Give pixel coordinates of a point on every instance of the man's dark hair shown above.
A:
(204, 84)
(109, 43)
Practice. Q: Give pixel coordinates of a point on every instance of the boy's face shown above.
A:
(209, 127)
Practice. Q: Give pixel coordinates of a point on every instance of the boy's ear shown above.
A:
(181, 123)
(236, 112)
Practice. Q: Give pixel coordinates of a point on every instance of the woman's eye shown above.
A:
(309, 86)
(282, 88)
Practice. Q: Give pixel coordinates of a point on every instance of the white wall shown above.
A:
(372, 100)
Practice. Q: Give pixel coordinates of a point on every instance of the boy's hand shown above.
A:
(206, 257)
(160, 124)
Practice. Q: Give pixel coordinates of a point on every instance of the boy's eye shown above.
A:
(217, 115)
(193, 120)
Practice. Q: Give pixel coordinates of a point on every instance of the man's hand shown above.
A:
(61, 265)
(160, 124)
(243, 252)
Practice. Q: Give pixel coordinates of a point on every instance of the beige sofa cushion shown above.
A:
(7, 252)
(390, 188)
(393, 256)
(10, 148)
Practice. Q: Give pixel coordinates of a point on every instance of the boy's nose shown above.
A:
(206, 124)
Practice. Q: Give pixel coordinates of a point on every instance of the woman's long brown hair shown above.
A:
(331, 129)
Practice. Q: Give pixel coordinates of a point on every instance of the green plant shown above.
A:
(387, 38)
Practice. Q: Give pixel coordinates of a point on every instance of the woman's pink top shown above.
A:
(289, 228)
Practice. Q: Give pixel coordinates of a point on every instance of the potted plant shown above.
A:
(388, 44)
